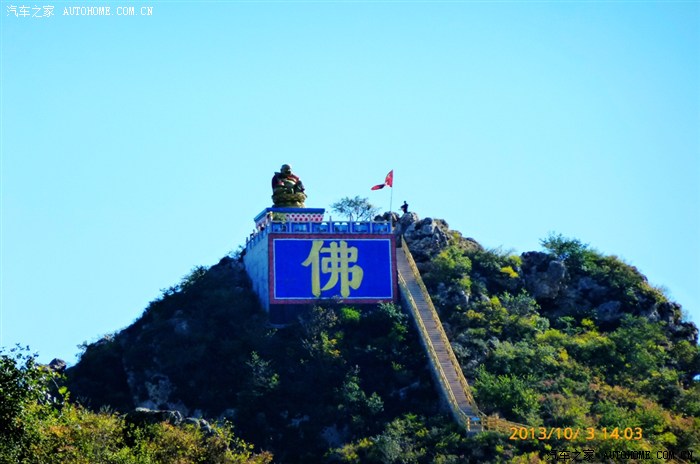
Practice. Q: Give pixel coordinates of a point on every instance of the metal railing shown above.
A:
(460, 416)
(433, 312)
(477, 421)
(322, 227)
(331, 227)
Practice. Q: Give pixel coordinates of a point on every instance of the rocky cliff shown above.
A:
(539, 334)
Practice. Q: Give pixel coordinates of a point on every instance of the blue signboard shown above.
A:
(349, 268)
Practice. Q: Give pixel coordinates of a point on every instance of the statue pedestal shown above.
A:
(280, 214)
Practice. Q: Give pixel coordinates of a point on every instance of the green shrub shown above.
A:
(349, 315)
(508, 394)
(449, 266)
(577, 256)
(38, 427)
(25, 396)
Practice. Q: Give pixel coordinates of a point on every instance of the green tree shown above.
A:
(509, 394)
(355, 404)
(262, 378)
(576, 254)
(38, 427)
(24, 390)
(640, 350)
(355, 209)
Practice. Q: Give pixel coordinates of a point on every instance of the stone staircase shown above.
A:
(445, 368)
(443, 363)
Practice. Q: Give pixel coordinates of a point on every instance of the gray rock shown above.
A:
(544, 276)
(403, 392)
(451, 296)
(425, 238)
(590, 289)
(669, 312)
(159, 388)
(402, 224)
(609, 311)
(333, 436)
(57, 365)
(556, 271)
(180, 324)
(200, 424)
(298, 420)
(142, 416)
(228, 414)
(685, 331)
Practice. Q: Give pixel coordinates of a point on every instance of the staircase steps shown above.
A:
(451, 381)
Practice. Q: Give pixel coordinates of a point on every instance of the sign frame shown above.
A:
(274, 300)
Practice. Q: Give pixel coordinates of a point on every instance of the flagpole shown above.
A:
(388, 181)
(391, 196)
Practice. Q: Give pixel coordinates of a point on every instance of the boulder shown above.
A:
(57, 365)
(401, 224)
(200, 424)
(451, 296)
(544, 276)
(609, 311)
(145, 416)
(425, 238)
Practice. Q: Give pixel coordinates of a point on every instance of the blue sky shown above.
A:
(135, 148)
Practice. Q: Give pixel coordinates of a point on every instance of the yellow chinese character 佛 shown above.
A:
(337, 264)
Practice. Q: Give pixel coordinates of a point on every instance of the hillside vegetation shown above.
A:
(564, 337)
(39, 424)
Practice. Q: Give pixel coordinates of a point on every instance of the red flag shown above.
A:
(389, 180)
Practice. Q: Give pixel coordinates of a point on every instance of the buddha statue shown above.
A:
(287, 189)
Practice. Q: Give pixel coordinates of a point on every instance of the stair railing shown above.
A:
(460, 416)
(468, 422)
(478, 420)
(433, 312)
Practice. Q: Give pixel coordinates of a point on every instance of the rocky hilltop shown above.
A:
(563, 337)
(569, 280)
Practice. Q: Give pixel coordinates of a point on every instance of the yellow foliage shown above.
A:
(75, 435)
(563, 355)
(349, 452)
(552, 337)
(508, 270)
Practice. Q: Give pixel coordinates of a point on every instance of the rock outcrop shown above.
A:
(57, 365)
(163, 362)
(544, 276)
(425, 238)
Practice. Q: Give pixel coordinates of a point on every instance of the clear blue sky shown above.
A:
(135, 148)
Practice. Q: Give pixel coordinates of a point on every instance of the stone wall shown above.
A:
(258, 268)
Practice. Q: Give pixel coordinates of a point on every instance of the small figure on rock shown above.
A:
(287, 188)
(404, 207)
